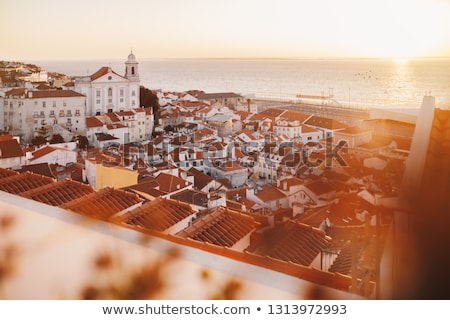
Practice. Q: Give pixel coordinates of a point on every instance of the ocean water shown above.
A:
(364, 82)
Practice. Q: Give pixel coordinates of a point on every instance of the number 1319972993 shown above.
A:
(307, 309)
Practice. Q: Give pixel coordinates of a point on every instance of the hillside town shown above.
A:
(285, 189)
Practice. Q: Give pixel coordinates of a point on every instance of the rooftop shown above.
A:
(58, 193)
(103, 204)
(222, 227)
(291, 241)
(157, 215)
(20, 183)
(10, 149)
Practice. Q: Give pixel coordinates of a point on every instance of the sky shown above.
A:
(166, 29)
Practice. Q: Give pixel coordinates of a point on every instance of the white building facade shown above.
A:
(28, 113)
(108, 91)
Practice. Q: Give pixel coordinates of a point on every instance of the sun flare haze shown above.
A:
(52, 29)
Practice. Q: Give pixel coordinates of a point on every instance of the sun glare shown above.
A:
(400, 60)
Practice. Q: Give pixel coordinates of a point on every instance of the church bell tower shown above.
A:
(131, 68)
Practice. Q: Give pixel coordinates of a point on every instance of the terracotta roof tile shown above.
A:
(39, 94)
(157, 215)
(43, 151)
(58, 193)
(5, 173)
(200, 179)
(325, 123)
(23, 182)
(292, 241)
(269, 193)
(294, 115)
(191, 196)
(93, 122)
(15, 92)
(222, 227)
(39, 168)
(10, 149)
(103, 204)
(101, 72)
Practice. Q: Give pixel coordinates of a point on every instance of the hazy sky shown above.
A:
(99, 29)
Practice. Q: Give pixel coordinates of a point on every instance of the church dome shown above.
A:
(131, 57)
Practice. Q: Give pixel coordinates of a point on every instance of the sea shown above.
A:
(358, 82)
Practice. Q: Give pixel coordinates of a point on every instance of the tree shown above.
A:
(149, 100)
(38, 141)
(56, 138)
(83, 141)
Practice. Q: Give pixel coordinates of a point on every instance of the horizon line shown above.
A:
(236, 58)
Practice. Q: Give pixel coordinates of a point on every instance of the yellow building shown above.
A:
(99, 175)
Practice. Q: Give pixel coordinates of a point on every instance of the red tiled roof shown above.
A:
(272, 112)
(38, 94)
(320, 187)
(112, 116)
(200, 179)
(10, 149)
(38, 168)
(93, 122)
(5, 173)
(58, 193)
(43, 151)
(103, 204)
(222, 227)
(23, 182)
(294, 115)
(15, 92)
(231, 166)
(115, 126)
(326, 123)
(158, 215)
(191, 196)
(269, 193)
(291, 241)
(125, 113)
(169, 183)
(102, 71)
(306, 129)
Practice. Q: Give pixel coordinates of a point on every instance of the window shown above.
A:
(77, 112)
(121, 92)
(61, 113)
(69, 113)
(109, 92)
(42, 115)
(64, 103)
(133, 93)
(43, 104)
(97, 101)
(97, 93)
(52, 113)
(54, 103)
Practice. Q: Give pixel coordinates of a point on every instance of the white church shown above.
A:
(108, 91)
